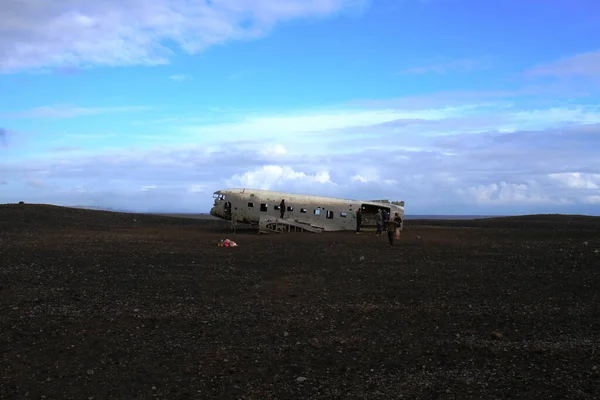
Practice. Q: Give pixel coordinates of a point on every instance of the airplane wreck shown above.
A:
(298, 212)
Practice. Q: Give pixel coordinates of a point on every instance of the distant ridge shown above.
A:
(407, 217)
(420, 217)
(20, 216)
(122, 210)
(51, 215)
(446, 216)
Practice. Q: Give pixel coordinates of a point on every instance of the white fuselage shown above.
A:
(327, 213)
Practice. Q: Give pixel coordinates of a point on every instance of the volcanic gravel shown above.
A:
(102, 305)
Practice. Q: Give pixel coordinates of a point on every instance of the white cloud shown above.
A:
(506, 193)
(582, 65)
(485, 169)
(551, 116)
(439, 99)
(273, 150)
(594, 199)
(81, 33)
(360, 178)
(69, 111)
(443, 65)
(315, 122)
(197, 188)
(270, 176)
(367, 174)
(336, 130)
(577, 180)
(180, 77)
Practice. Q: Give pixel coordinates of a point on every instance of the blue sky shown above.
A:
(454, 106)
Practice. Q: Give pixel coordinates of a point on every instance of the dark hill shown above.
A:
(34, 216)
(533, 221)
(45, 215)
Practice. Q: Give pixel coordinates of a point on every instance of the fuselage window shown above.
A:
(343, 214)
(250, 204)
(303, 210)
(263, 207)
(329, 214)
(317, 211)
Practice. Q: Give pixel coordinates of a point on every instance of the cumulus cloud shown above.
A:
(452, 158)
(469, 150)
(543, 170)
(81, 33)
(272, 176)
(577, 180)
(507, 194)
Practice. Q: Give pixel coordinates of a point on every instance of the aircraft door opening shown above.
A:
(369, 213)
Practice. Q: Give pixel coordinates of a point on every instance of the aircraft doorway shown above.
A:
(369, 213)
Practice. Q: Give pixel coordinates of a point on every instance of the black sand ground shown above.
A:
(119, 306)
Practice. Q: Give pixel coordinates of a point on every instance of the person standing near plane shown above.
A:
(358, 220)
(393, 223)
(282, 208)
(379, 221)
(399, 227)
